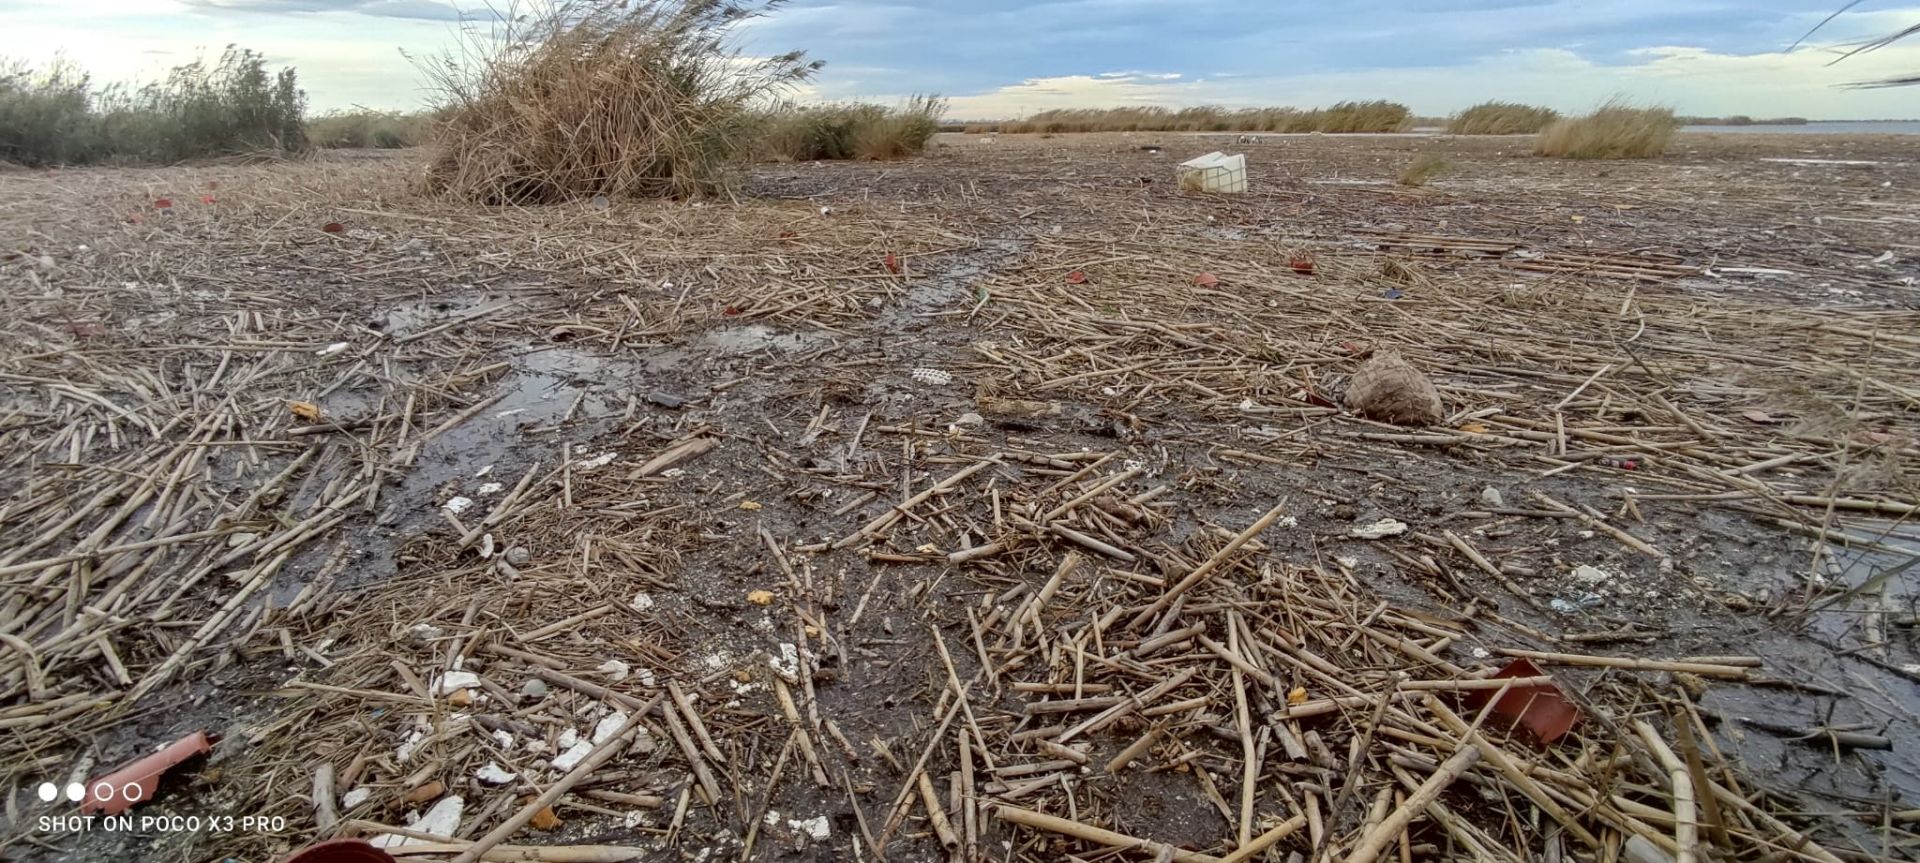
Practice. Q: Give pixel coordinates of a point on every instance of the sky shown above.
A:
(999, 59)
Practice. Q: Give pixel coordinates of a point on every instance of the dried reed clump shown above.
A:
(599, 97)
(1423, 168)
(1502, 118)
(1615, 130)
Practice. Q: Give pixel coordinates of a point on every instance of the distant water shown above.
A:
(1905, 127)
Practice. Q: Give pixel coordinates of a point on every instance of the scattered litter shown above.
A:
(760, 597)
(305, 411)
(142, 776)
(642, 601)
(1214, 172)
(1541, 708)
(454, 681)
(494, 774)
(750, 505)
(332, 349)
(458, 505)
(615, 670)
(931, 377)
(491, 488)
(1591, 575)
(599, 461)
(571, 758)
(787, 664)
(441, 820)
(355, 797)
(816, 828)
(1381, 529)
(608, 726)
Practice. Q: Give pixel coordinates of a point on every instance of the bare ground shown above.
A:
(237, 447)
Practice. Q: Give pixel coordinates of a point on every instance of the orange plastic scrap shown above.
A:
(1540, 707)
(116, 792)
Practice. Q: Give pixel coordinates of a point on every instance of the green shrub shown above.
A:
(58, 117)
(1501, 118)
(1615, 130)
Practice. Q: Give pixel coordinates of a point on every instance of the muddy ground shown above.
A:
(846, 335)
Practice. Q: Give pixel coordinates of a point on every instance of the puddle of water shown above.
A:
(412, 317)
(754, 338)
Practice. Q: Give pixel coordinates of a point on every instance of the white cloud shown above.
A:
(1692, 80)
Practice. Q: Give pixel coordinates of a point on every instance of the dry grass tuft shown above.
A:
(1374, 116)
(597, 97)
(1615, 130)
(1502, 118)
(850, 131)
(364, 128)
(1424, 167)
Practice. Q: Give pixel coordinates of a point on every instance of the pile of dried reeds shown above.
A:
(1615, 130)
(1501, 118)
(591, 97)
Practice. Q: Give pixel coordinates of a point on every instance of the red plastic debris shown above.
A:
(730, 311)
(118, 791)
(163, 204)
(1301, 265)
(1207, 280)
(1540, 708)
(333, 227)
(893, 263)
(340, 851)
(1076, 278)
(206, 199)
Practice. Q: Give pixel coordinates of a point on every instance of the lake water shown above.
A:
(1902, 127)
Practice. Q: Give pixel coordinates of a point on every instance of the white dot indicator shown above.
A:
(76, 792)
(48, 791)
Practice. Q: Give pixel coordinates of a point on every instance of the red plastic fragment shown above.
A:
(118, 791)
(1207, 280)
(1301, 265)
(333, 227)
(1076, 278)
(1540, 708)
(893, 263)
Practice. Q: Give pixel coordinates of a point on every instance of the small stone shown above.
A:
(968, 421)
(518, 556)
(534, 689)
(1491, 497)
(665, 400)
(760, 597)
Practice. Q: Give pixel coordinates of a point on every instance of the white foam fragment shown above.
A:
(1381, 529)
(816, 827)
(442, 820)
(332, 349)
(571, 758)
(599, 461)
(409, 747)
(787, 664)
(608, 727)
(458, 505)
(615, 670)
(494, 774)
(491, 488)
(356, 797)
(454, 681)
(642, 601)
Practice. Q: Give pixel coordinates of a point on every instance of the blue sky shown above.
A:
(1001, 58)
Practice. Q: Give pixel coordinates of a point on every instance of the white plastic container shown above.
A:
(1215, 172)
